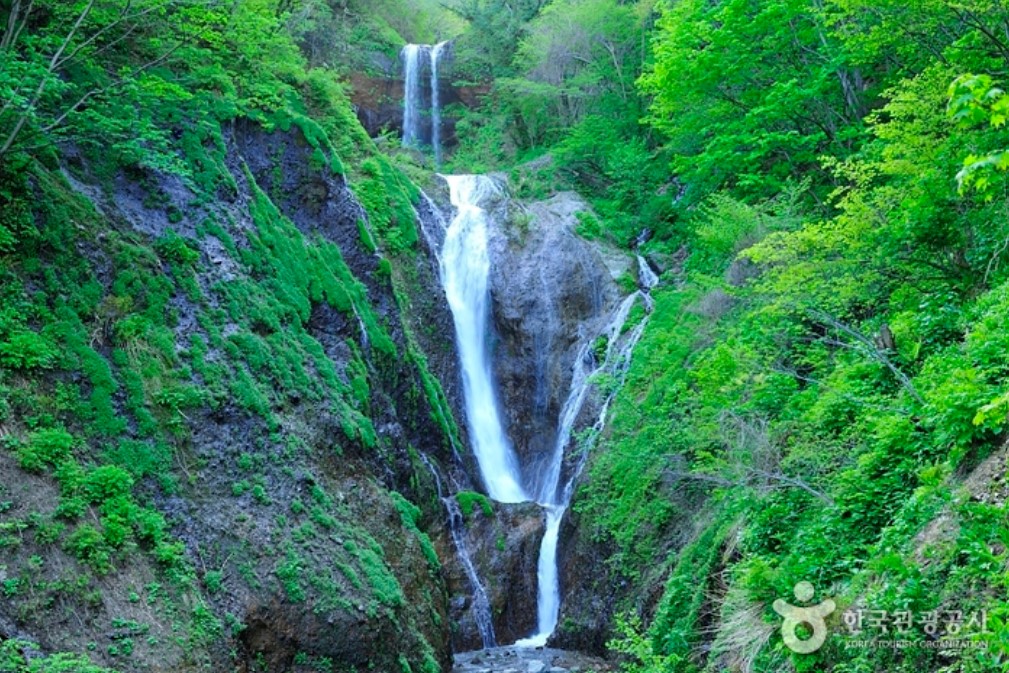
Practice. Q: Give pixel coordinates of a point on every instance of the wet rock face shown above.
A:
(550, 288)
(504, 548)
(591, 592)
(295, 596)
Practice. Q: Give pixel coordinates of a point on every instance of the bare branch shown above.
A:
(870, 348)
(44, 81)
(24, 22)
(851, 398)
(747, 481)
(95, 92)
(122, 17)
(12, 22)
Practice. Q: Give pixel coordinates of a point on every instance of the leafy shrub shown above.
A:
(469, 500)
(88, 545)
(12, 660)
(45, 448)
(27, 350)
(177, 250)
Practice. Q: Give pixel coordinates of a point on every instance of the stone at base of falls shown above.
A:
(504, 549)
(528, 660)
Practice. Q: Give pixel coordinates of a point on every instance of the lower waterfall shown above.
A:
(554, 500)
(465, 266)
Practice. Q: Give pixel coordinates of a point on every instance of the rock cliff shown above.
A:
(233, 477)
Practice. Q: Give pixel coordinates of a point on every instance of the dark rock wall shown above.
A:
(504, 547)
(378, 102)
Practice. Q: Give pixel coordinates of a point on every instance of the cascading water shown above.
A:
(465, 265)
(646, 277)
(412, 98)
(616, 362)
(481, 604)
(456, 524)
(415, 57)
(436, 52)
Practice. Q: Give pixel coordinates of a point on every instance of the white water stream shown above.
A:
(436, 52)
(412, 100)
(465, 270)
(615, 363)
(415, 57)
(465, 266)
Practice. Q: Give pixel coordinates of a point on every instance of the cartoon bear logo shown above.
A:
(813, 616)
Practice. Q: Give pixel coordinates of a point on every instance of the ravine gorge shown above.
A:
(504, 336)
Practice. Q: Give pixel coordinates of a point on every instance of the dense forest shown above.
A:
(215, 401)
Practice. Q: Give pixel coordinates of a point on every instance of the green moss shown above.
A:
(469, 500)
(176, 250)
(410, 515)
(383, 584)
(388, 198)
(324, 154)
(289, 572)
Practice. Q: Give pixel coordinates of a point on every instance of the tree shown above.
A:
(580, 57)
(751, 93)
(57, 59)
(495, 27)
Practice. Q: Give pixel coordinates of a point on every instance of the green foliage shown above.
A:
(470, 500)
(13, 660)
(410, 515)
(973, 100)
(26, 350)
(45, 449)
(740, 101)
(490, 42)
(831, 364)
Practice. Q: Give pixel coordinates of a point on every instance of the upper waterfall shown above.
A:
(412, 100)
(436, 52)
(420, 92)
(465, 264)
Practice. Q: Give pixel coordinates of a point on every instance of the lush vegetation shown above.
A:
(820, 394)
(127, 331)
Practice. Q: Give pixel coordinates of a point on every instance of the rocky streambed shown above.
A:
(528, 660)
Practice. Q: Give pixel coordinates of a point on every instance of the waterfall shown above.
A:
(465, 266)
(616, 362)
(456, 525)
(412, 100)
(436, 51)
(646, 277)
(415, 56)
(481, 604)
(465, 269)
